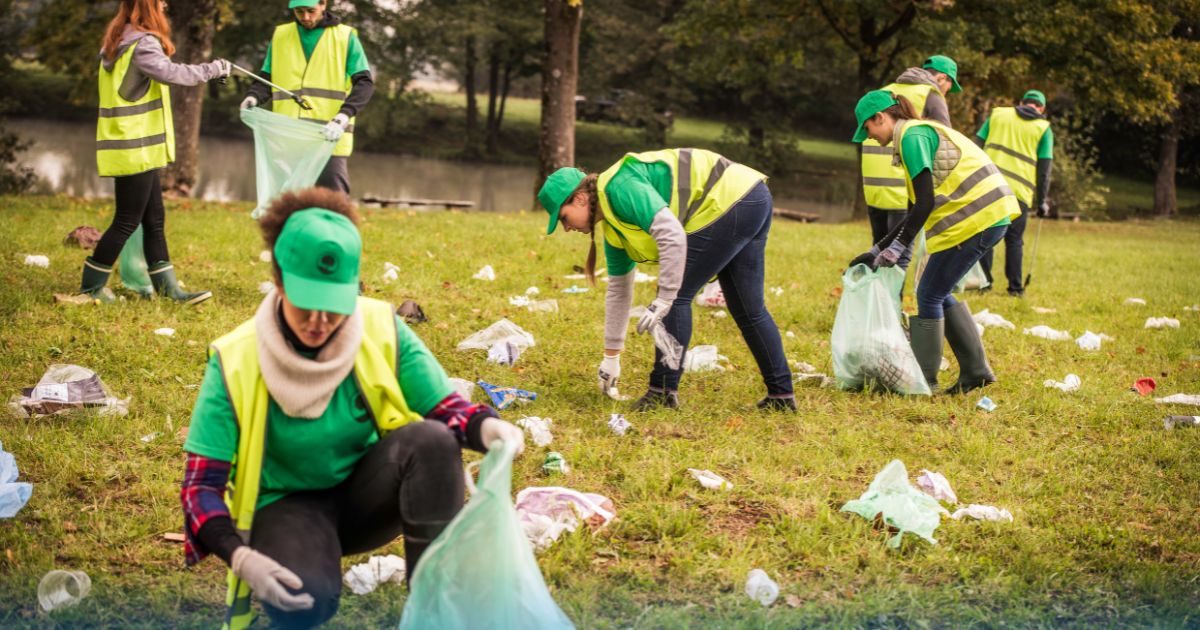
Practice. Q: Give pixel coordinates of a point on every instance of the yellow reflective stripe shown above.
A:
(965, 212)
(1012, 152)
(874, 149)
(883, 181)
(135, 143)
(131, 110)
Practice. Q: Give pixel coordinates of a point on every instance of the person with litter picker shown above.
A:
(883, 181)
(1019, 140)
(135, 138)
(964, 205)
(338, 429)
(698, 215)
(322, 61)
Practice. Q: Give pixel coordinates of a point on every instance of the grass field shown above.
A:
(1105, 501)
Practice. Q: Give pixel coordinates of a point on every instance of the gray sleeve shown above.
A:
(672, 253)
(616, 309)
(151, 61)
(936, 109)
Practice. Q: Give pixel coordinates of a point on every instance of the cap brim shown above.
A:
(860, 135)
(553, 220)
(314, 295)
(956, 88)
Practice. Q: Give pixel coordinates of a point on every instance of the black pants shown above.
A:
(139, 202)
(1014, 245)
(410, 483)
(336, 175)
(882, 224)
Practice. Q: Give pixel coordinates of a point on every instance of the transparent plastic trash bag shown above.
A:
(900, 506)
(289, 154)
(481, 571)
(869, 347)
(135, 273)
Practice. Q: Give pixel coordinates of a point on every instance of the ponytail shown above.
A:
(588, 185)
(903, 109)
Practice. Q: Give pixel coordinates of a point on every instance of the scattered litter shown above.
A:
(366, 577)
(265, 287)
(892, 501)
(983, 513)
(555, 463)
(761, 588)
(720, 314)
(807, 374)
(76, 299)
(1046, 332)
(538, 429)
(712, 296)
(174, 537)
(1044, 311)
(710, 479)
(486, 273)
(574, 276)
(1144, 386)
(463, 387)
(671, 349)
(572, 290)
(870, 349)
(1162, 322)
(390, 272)
(989, 319)
(790, 334)
(84, 237)
(546, 512)
(264, 256)
(1090, 340)
(637, 312)
(612, 393)
(543, 306)
(777, 291)
(704, 359)
(504, 352)
(1193, 308)
(1135, 302)
(411, 312)
(64, 388)
(801, 366)
(945, 365)
(618, 423)
(502, 397)
(37, 261)
(62, 589)
(149, 437)
(13, 494)
(1068, 384)
(1180, 399)
(937, 486)
(519, 300)
(1180, 422)
(986, 404)
(502, 330)
(165, 332)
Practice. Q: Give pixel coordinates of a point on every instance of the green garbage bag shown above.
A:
(900, 505)
(289, 154)
(135, 273)
(480, 572)
(870, 349)
(975, 280)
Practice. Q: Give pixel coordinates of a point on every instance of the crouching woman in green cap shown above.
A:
(698, 215)
(333, 427)
(964, 205)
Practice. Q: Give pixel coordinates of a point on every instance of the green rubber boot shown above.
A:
(162, 276)
(926, 339)
(973, 369)
(95, 276)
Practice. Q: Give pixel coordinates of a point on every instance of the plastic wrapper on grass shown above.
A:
(670, 348)
(13, 494)
(502, 396)
(547, 512)
(368, 576)
(892, 500)
(65, 388)
(501, 331)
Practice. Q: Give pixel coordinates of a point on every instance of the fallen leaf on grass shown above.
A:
(836, 292)
(1140, 350)
(793, 600)
(734, 423)
(175, 537)
(70, 526)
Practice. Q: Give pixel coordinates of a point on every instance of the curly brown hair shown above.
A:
(290, 203)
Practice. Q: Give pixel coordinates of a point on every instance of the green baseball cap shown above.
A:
(870, 104)
(293, 4)
(558, 188)
(946, 66)
(318, 254)
(1035, 95)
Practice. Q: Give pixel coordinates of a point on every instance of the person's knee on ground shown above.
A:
(326, 591)
(422, 520)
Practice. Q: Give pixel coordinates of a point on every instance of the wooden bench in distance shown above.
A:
(796, 215)
(409, 203)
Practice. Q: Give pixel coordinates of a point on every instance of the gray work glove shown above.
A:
(890, 256)
(268, 580)
(224, 68)
(654, 314)
(249, 102)
(336, 127)
(609, 373)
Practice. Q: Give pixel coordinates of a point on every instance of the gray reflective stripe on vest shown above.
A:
(967, 184)
(883, 181)
(870, 149)
(317, 92)
(136, 143)
(1012, 152)
(966, 211)
(683, 185)
(1013, 176)
(713, 177)
(130, 110)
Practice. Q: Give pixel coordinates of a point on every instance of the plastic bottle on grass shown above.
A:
(62, 589)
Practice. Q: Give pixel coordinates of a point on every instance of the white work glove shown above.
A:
(268, 578)
(336, 127)
(496, 429)
(653, 315)
(249, 103)
(610, 371)
(224, 68)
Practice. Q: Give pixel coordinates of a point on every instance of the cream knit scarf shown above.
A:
(301, 386)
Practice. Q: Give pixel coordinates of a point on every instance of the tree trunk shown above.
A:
(471, 148)
(756, 136)
(1168, 153)
(560, 74)
(508, 70)
(493, 90)
(195, 22)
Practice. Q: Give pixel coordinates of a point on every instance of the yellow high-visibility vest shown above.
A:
(1012, 143)
(705, 185)
(321, 78)
(883, 182)
(968, 198)
(375, 374)
(132, 136)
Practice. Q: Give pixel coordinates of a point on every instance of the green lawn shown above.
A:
(1105, 500)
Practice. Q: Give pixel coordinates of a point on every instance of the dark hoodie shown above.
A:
(935, 105)
(362, 84)
(151, 62)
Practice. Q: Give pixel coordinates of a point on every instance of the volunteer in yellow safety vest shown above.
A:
(135, 137)
(883, 182)
(1019, 140)
(338, 429)
(964, 205)
(698, 216)
(322, 60)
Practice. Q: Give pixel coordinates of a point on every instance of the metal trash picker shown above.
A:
(295, 97)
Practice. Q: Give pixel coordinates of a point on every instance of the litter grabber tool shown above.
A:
(1033, 255)
(295, 97)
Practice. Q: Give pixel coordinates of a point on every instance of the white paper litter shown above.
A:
(1162, 322)
(149, 437)
(538, 429)
(463, 387)
(264, 256)
(1180, 399)
(937, 486)
(1046, 332)
(165, 332)
(366, 577)
(390, 272)
(574, 276)
(989, 319)
(704, 359)
(777, 291)
(486, 273)
(502, 330)
(1068, 384)
(1135, 302)
(982, 513)
(1089, 341)
(1193, 308)
(710, 479)
(546, 512)
(1044, 311)
(519, 300)
(712, 296)
(532, 291)
(761, 588)
(37, 260)
(618, 423)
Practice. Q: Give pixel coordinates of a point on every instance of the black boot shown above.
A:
(925, 336)
(162, 276)
(973, 369)
(653, 399)
(770, 403)
(95, 276)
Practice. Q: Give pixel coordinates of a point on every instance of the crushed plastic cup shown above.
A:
(1181, 422)
(555, 463)
(761, 588)
(542, 306)
(618, 423)
(1162, 322)
(986, 404)
(486, 274)
(1068, 384)
(538, 429)
(1144, 386)
(982, 513)
(710, 479)
(366, 577)
(637, 312)
(704, 359)
(1046, 332)
(62, 589)
(937, 486)
(988, 319)
(1133, 301)
(37, 260)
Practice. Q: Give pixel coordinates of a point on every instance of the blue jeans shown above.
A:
(732, 248)
(947, 267)
(1014, 243)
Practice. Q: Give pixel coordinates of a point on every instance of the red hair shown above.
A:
(145, 16)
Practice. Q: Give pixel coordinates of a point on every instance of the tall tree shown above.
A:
(560, 77)
(196, 22)
(873, 30)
